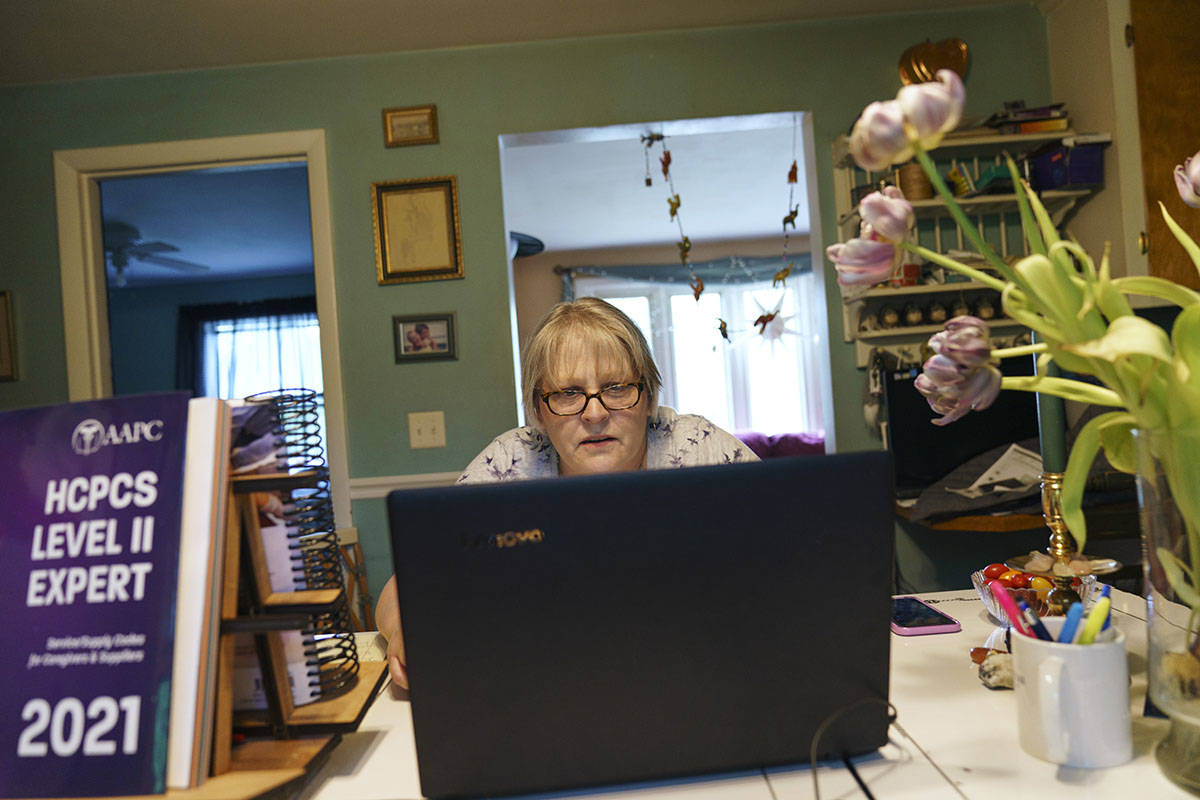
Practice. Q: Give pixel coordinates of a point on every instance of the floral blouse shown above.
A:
(672, 440)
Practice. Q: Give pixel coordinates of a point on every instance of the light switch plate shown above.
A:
(426, 429)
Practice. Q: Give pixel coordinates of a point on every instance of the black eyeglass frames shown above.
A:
(616, 397)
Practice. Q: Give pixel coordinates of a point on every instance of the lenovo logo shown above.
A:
(500, 541)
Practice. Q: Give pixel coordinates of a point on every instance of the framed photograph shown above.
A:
(424, 337)
(411, 125)
(417, 231)
(8, 342)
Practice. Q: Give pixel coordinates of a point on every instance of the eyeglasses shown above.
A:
(569, 402)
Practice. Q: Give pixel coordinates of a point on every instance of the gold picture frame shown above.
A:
(410, 125)
(418, 236)
(8, 341)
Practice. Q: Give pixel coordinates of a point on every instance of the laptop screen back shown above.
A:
(591, 630)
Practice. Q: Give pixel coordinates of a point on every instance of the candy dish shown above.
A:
(1088, 589)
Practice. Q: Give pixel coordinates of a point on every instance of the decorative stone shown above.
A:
(996, 671)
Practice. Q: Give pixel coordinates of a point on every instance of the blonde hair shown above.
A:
(587, 326)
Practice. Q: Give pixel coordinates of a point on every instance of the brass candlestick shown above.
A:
(1061, 549)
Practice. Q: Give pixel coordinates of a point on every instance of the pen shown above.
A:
(1067, 634)
(1010, 608)
(1035, 624)
(1095, 619)
(1104, 592)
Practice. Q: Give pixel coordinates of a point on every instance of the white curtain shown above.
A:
(247, 355)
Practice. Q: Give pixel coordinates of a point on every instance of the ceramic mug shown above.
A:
(1073, 699)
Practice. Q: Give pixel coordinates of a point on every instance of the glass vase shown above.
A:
(1168, 480)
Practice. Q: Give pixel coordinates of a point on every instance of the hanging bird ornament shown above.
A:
(665, 160)
(793, 173)
(697, 286)
(674, 202)
(723, 327)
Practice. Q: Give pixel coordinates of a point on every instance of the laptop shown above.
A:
(631, 627)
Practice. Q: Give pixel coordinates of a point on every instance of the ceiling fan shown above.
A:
(123, 242)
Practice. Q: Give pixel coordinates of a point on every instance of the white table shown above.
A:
(954, 738)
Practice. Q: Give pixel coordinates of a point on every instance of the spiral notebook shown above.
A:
(301, 553)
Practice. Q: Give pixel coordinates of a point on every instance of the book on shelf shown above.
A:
(91, 541)
(1048, 125)
(1015, 111)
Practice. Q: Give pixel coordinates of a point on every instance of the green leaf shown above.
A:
(1185, 336)
(1116, 437)
(1028, 224)
(1189, 244)
(1158, 287)
(1110, 300)
(1083, 453)
(1049, 231)
(1050, 288)
(1174, 570)
(1127, 336)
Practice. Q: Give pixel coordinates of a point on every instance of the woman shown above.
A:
(590, 391)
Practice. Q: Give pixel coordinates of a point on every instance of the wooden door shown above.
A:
(1166, 58)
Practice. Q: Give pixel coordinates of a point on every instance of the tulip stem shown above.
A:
(960, 217)
(1023, 350)
(974, 274)
(1065, 388)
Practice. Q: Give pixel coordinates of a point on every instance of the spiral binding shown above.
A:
(317, 559)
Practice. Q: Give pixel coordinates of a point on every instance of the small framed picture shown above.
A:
(418, 236)
(424, 337)
(410, 125)
(8, 342)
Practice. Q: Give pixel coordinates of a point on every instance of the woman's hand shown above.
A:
(387, 617)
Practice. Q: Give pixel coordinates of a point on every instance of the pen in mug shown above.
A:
(1105, 591)
(1034, 622)
(1067, 634)
(1095, 620)
(1010, 608)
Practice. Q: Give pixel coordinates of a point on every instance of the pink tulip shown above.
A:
(1187, 180)
(933, 109)
(878, 138)
(958, 377)
(887, 213)
(954, 392)
(965, 341)
(862, 261)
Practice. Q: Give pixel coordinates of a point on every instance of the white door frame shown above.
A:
(81, 254)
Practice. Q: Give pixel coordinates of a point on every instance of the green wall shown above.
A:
(830, 68)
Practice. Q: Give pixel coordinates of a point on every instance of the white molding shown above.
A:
(85, 317)
(373, 488)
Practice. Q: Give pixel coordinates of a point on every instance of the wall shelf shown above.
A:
(972, 151)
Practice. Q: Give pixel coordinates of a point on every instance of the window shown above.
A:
(236, 350)
(766, 383)
(242, 356)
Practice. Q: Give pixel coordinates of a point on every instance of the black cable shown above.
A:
(857, 779)
(829, 720)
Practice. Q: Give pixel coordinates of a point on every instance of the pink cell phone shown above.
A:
(913, 617)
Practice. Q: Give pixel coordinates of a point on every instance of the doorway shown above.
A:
(78, 175)
(617, 206)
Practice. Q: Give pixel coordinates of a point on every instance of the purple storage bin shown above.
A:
(1068, 166)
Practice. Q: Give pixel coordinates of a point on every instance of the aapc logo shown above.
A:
(90, 435)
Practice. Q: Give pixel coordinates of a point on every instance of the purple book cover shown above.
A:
(90, 497)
